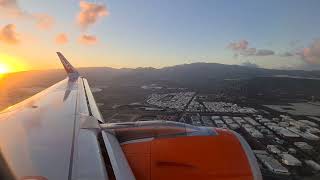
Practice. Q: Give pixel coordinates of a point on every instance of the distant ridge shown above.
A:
(207, 77)
(200, 73)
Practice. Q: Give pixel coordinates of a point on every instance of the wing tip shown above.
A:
(59, 53)
(71, 71)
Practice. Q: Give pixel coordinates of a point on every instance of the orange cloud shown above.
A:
(240, 45)
(311, 54)
(88, 39)
(62, 38)
(90, 13)
(242, 48)
(9, 35)
(7, 2)
(12, 4)
(11, 9)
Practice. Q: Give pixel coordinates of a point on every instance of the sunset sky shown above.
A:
(281, 34)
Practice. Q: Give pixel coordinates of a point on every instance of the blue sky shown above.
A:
(168, 32)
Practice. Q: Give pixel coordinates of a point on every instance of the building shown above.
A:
(315, 166)
(285, 132)
(306, 135)
(252, 131)
(207, 121)
(284, 124)
(303, 145)
(196, 120)
(234, 126)
(251, 121)
(272, 164)
(273, 149)
(218, 121)
(292, 151)
(215, 117)
(290, 160)
(309, 123)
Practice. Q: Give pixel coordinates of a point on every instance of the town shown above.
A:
(286, 145)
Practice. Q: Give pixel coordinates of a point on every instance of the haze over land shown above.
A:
(203, 77)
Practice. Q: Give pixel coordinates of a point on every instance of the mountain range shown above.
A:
(198, 76)
(186, 75)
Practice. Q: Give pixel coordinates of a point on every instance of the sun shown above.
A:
(4, 69)
(10, 63)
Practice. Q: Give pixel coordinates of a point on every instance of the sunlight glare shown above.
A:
(9, 64)
(3, 69)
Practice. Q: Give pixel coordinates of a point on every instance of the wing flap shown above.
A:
(120, 165)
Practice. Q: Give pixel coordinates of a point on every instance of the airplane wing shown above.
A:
(55, 134)
(60, 134)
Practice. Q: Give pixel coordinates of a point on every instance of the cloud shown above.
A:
(90, 13)
(8, 3)
(61, 39)
(242, 48)
(311, 54)
(264, 52)
(240, 45)
(249, 64)
(11, 9)
(286, 54)
(44, 21)
(248, 52)
(294, 43)
(9, 35)
(88, 39)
